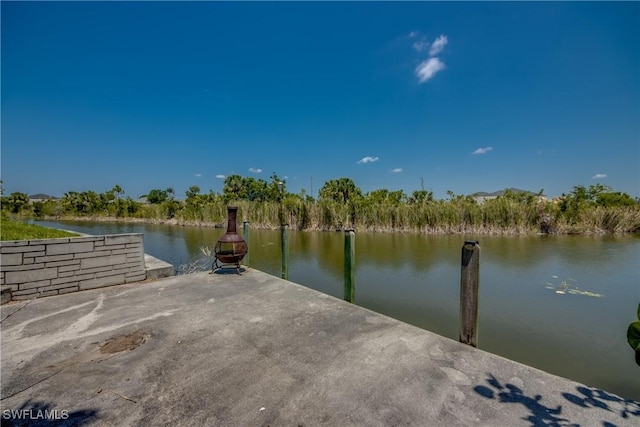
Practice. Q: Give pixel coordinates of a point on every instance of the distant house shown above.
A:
(481, 199)
(41, 198)
(482, 196)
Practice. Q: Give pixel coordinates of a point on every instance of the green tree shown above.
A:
(15, 202)
(211, 197)
(118, 191)
(614, 198)
(156, 196)
(130, 206)
(93, 203)
(386, 197)
(524, 197)
(71, 201)
(421, 196)
(84, 203)
(46, 208)
(193, 203)
(233, 188)
(341, 190)
(255, 190)
(237, 187)
(193, 194)
(277, 189)
(581, 198)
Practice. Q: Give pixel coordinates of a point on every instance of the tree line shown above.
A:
(341, 204)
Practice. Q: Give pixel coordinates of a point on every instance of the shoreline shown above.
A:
(456, 230)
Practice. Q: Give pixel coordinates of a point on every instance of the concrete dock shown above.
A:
(255, 350)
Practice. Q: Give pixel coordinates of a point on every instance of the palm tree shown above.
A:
(118, 191)
(341, 190)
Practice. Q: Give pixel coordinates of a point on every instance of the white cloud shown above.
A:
(254, 170)
(599, 175)
(484, 150)
(367, 159)
(396, 170)
(420, 45)
(438, 45)
(428, 69)
(198, 175)
(221, 176)
(420, 42)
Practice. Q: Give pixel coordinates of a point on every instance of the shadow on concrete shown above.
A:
(596, 398)
(40, 414)
(541, 415)
(228, 270)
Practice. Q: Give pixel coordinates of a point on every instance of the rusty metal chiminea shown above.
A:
(230, 248)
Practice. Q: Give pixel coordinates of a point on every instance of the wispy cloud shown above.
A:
(396, 170)
(599, 175)
(221, 176)
(197, 175)
(368, 159)
(428, 69)
(255, 170)
(484, 150)
(438, 45)
(420, 45)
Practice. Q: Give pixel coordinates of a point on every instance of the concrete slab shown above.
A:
(156, 268)
(255, 350)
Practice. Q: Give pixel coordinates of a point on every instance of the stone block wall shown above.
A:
(56, 266)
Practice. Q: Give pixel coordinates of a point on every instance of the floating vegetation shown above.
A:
(564, 287)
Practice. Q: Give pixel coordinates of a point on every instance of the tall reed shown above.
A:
(498, 216)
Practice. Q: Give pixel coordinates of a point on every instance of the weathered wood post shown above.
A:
(349, 268)
(284, 240)
(245, 236)
(470, 273)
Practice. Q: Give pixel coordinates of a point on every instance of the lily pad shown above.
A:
(564, 287)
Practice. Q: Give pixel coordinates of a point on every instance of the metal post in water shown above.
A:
(245, 236)
(284, 240)
(349, 261)
(469, 278)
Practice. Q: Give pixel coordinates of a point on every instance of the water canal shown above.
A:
(559, 303)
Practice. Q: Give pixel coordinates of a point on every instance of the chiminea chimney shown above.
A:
(230, 248)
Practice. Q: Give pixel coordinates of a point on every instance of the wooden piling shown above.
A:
(469, 278)
(349, 265)
(245, 236)
(284, 240)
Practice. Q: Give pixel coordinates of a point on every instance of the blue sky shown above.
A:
(465, 96)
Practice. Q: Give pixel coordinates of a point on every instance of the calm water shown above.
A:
(416, 278)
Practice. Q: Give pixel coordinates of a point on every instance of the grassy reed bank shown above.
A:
(341, 204)
(498, 216)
